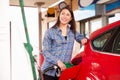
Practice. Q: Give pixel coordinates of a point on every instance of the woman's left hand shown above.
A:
(84, 41)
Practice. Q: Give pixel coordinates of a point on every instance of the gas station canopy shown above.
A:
(31, 3)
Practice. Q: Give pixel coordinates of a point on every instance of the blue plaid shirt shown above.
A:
(56, 47)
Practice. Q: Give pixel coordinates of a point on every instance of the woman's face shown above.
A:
(65, 16)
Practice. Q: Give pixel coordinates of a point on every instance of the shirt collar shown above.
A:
(58, 29)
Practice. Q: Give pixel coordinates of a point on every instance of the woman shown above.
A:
(58, 42)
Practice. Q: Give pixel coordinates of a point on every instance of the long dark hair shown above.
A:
(72, 22)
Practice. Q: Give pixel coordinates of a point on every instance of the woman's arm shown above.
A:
(47, 43)
(80, 38)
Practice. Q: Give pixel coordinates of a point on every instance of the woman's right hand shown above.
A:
(61, 65)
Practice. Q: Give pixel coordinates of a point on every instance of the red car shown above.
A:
(101, 57)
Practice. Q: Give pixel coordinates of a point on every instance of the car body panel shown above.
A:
(98, 65)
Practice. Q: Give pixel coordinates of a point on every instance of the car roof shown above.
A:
(105, 28)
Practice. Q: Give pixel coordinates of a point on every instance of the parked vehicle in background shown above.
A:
(101, 59)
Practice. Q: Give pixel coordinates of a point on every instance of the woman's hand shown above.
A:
(84, 41)
(61, 65)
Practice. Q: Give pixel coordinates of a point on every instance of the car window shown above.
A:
(99, 42)
(116, 47)
(109, 41)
